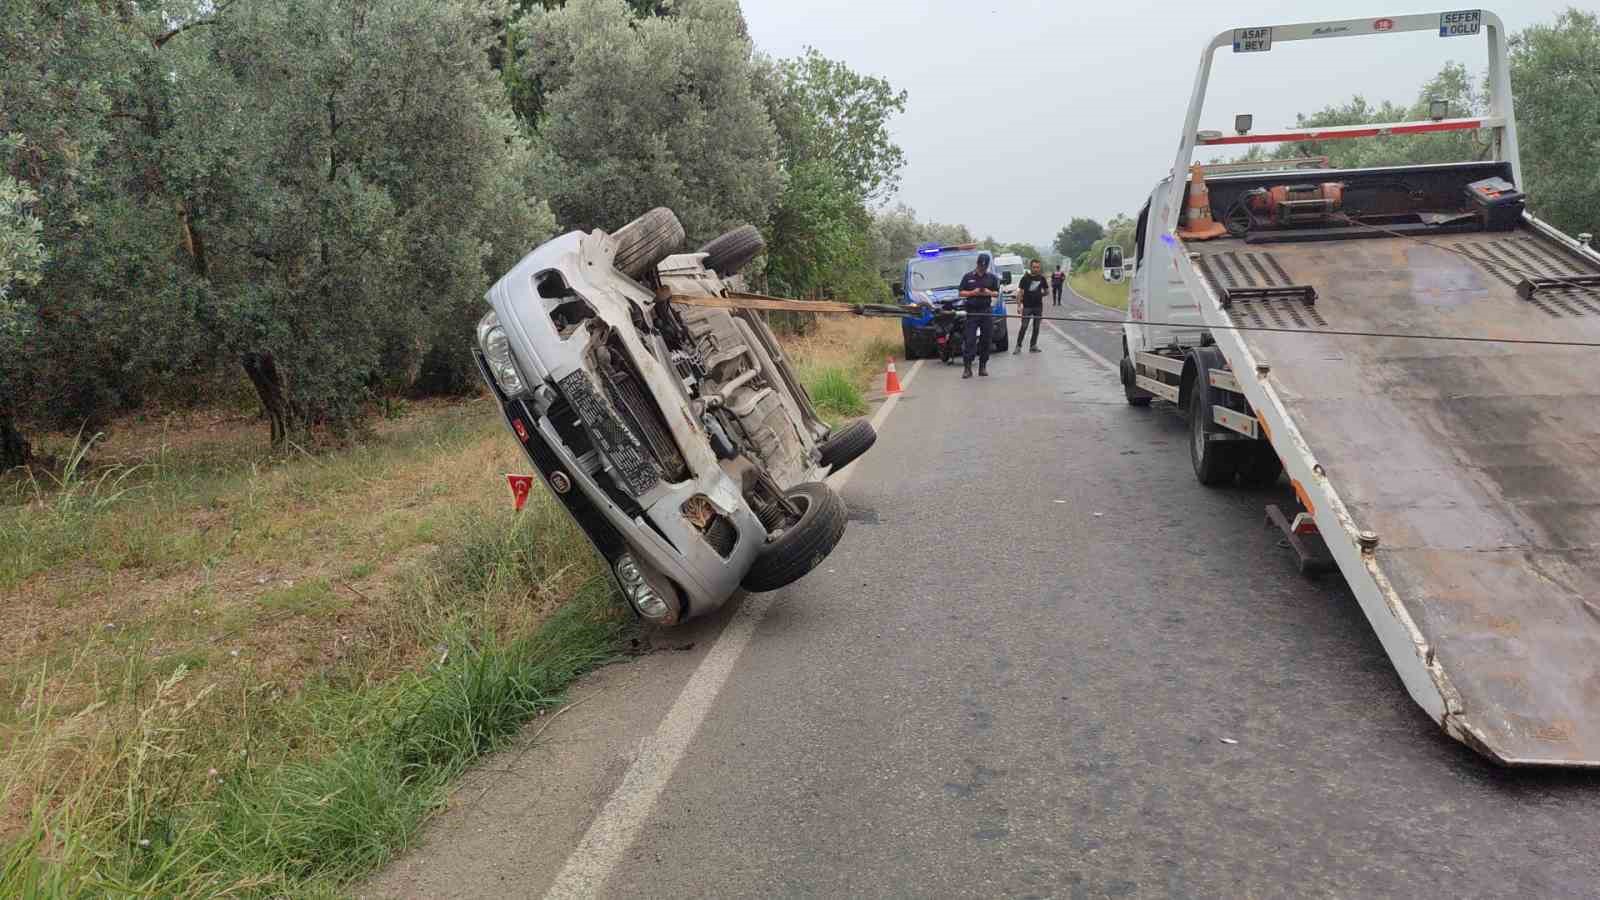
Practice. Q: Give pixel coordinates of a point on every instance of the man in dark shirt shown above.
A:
(1057, 279)
(978, 288)
(1031, 290)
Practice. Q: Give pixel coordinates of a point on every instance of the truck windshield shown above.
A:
(1016, 269)
(939, 272)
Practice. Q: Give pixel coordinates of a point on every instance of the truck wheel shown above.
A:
(1260, 466)
(727, 253)
(847, 443)
(646, 241)
(802, 546)
(1215, 462)
(910, 350)
(1136, 396)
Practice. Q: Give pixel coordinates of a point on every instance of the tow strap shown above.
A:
(737, 300)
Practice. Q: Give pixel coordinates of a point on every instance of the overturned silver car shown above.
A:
(677, 436)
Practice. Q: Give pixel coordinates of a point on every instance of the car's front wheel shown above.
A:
(803, 544)
(847, 443)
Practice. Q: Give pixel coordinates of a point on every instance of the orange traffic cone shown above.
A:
(891, 380)
(1197, 224)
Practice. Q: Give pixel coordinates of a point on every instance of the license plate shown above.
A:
(1460, 24)
(1252, 40)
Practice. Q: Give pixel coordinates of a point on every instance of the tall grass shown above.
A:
(138, 787)
(1092, 285)
(834, 390)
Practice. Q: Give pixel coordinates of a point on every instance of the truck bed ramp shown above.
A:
(1475, 465)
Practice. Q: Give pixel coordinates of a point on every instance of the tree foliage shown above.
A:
(651, 112)
(1555, 76)
(896, 234)
(1453, 84)
(1119, 231)
(1077, 236)
(826, 112)
(317, 191)
(837, 157)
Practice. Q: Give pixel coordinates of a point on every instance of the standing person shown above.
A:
(1057, 279)
(978, 288)
(1031, 291)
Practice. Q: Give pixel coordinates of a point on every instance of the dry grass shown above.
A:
(842, 361)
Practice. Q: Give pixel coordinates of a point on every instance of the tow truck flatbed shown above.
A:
(1472, 463)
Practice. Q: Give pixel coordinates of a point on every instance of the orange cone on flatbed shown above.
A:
(1197, 224)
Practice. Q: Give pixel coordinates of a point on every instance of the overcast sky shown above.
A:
(1024, 113)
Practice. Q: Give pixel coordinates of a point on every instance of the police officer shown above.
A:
(978, 288)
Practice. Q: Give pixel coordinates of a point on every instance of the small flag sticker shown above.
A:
(521, 485)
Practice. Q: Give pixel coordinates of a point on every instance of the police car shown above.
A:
(933, 276)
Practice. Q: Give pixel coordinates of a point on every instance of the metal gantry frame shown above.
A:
(1500, 120)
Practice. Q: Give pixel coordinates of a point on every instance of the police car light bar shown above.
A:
(936, 249)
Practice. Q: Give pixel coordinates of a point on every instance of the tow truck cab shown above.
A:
(934, 276)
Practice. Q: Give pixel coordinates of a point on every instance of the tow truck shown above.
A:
(1407, 343)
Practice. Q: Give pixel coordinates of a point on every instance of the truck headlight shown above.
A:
(643, 597)
(496, 346)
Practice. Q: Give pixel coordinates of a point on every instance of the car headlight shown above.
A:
(496, 346)
(643, 597)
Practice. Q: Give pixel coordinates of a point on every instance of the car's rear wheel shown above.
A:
(847, 443)
(727, 253)
(803, 544)
(646, 241)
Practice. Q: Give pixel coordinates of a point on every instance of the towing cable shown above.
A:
(740, 300)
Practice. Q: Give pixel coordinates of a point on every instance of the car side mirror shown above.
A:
(898, 289)
(1005, 277)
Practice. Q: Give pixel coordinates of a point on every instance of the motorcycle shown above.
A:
(949, 329)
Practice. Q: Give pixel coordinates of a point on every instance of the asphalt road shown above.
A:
(1043, 662)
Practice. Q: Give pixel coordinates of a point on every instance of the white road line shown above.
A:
(1084, 349)
(617, 826)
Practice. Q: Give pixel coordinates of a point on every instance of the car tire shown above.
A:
(646, 241)
(847, 443)
(910, 350)
(727, 253)
(804, 545)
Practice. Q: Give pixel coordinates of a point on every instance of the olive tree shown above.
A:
(377, 178)
(103, 305)
(1555, 73)
(658, 111)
